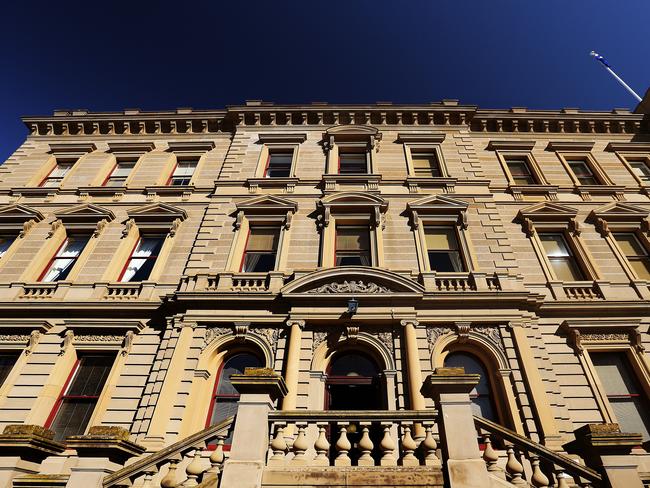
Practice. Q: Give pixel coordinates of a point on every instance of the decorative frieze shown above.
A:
(351, 287)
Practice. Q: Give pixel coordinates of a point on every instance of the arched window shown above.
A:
(225, 396)
(481, 395)
(353, 383)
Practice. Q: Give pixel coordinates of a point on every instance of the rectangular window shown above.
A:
(182, 174)
(443, 249)
(261, 249)
(65, 258)
(582, 172)
(520, 170)
(352, 245)
(74, 408)
(120, 173)
(7, 362)
(561, 257)
(57, 174)
(635, 253)
(143, 259)
(640, 168)
(352, 162)
(279, 164)
(626, 398)
(425, 164)
(5, 243)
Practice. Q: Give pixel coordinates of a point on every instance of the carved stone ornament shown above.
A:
(67, 341)
(174, 227)
(241, 330)
(386, 338)
(352, 332)
(351, 287)
(493, 334)
(462, 329)
(54, 227)
(318, 338)
(434, 333)
(27, 226)
(215, 332)
(13, 337)
(127, 227)
(98, 338)
(100, 227)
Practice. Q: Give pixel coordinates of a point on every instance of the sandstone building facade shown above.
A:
(356, 254)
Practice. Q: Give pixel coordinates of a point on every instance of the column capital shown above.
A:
(299, 322)
(412, 322)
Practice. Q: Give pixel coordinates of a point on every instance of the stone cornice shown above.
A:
(263, 114)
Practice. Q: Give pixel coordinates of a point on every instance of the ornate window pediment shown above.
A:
(439, 209)
(620, 215)
(603, 333)
(266, 208)
(72, 151)
(352, 281)
(18, 218)
(548, 216)
(349, 133)
(85, 217)
(359, 203)
(157, 216)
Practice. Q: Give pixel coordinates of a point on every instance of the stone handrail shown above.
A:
(536, 451)
(316, 431)
(149, 464)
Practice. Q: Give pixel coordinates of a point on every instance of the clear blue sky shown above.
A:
(116, 54)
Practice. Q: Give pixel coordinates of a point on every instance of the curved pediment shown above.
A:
(352, 130)
(352, 281)
(353, 197)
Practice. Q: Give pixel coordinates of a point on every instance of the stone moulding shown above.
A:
(351, 287)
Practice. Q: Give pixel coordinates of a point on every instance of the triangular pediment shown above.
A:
(353, 281)
(620, 211)
(268, 203)
(438, 202)
(157, 210)
(87, 211)
(548, 211)
(17, 218)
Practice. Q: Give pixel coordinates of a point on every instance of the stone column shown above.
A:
(102, 452)
(292, 368)
(414, 371)
(450, 389)
(22, 449)
(605, 448)
(259, 388)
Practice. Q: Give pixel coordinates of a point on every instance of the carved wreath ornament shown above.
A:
(351, 287)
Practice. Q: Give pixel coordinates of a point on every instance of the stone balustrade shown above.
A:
(352, 438)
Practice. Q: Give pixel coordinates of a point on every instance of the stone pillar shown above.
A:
(605, 448)
(293, 363)
(450, 389)
(259, 388)
(414, 371)
(22, 449)
(102, 452)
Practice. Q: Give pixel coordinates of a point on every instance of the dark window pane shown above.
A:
(425, 164)
(481, 396)
(91, 375)
(5, 243)
(360, 259)
(73, 417)
(583, 172)
(235, 365)
(279, 165)
(258, 262)
(353, 365)
(353, 163)
(7, 362)
(446, 261)
(143, 272)
(520, 171)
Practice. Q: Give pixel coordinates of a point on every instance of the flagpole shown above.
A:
(616, 77)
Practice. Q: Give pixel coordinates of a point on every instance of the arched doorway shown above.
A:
(354, 383)
(481, 396)
(224, 396)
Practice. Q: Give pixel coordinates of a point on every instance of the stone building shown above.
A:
(354, 258)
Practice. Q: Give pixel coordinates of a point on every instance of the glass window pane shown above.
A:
(481, 395)
(555, 245)
(138, 269)
(425, 164)
(91, 375)
(263, 239)
(441, 238)
(7, 362)
(353, 365)
(185, 168)
(73, 246)
(353, 163)
(520, 171)
(73, 417)
(446, 261)
(614, 373)
(279, 165)
(352, 238)
(148, 246)
(629, 244)
(5, 243)
(583, 172)
(631, 415)
(258, 262)
(641, 267)
(59, 270)
(566, 269)
(640, 168)
(235, 365)
(61, 169)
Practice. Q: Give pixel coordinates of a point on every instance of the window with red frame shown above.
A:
(279, 164)
(64, 259)
(624, 393)
(142, 259)
(80, 395)
(225, 396)
(120, 173)
(57, 174)
(261, 249)
(183, 172)
(5, 243)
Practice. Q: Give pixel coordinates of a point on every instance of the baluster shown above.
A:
(343, 446)
(365, 446)
(300, 445)
(216, 459)
(387, 446)
(538, 479)
(490, 456)
(278, 445)
(193, 470)
(148, 476)
(562, 478)
(514, 468)
(408, 448)
(322, 447)
(429, 446)
(169, 480)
